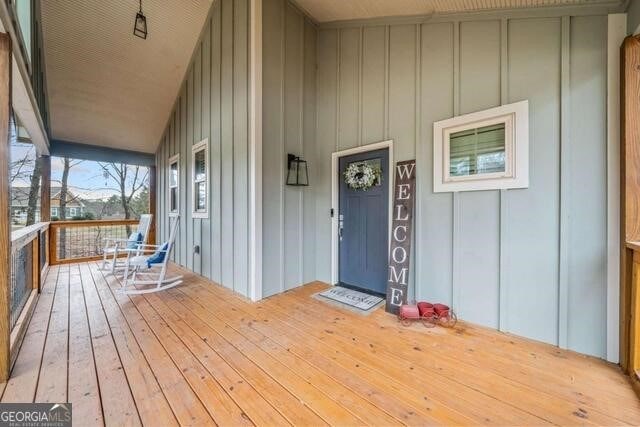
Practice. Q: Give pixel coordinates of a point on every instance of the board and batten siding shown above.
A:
(289, 120)
(633, 16)
(532, 261)
(213, 103)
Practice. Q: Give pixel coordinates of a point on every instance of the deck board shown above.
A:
(52, 382)
(21, 387)
(117, 401)
(150, 401)
(548, 377)
(453, 373)
(255, 406)
(383, 375)
(186, 406)
(83, 377)
(201, 355)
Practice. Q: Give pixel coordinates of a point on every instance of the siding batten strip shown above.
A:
(455, 262)
(338, 67)
(302, 151)
(255, 151)
(504, 208)
(283, 123)
(456, 68)
(387, 32)
(565, 193)
(418, 156)
(360, 80)
(455, 232)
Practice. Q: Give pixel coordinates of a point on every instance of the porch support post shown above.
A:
(152, 204)
(5, 227)
(45, 189)
(629, 193)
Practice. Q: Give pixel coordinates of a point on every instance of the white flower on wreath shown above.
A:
(362, 176)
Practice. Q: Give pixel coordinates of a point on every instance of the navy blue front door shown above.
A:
(363, 220)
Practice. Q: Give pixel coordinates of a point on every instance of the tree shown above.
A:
(129, 180)
(25, 168)
(64, 191)
(34, 190)
(140, 203)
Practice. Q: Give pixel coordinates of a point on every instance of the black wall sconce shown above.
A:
(297, 171)
(140, 24)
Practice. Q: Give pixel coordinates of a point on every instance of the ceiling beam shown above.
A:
(98, 153)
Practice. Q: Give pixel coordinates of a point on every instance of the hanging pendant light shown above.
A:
(140, 24)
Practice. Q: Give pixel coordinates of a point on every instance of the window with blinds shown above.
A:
(485, 150)
(477, 151)
(174, 178)
(200, 168)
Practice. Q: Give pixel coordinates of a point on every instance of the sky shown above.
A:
(86, 178)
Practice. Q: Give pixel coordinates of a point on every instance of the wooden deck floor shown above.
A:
(198, 354)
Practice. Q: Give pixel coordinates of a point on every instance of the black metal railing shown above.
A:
(74, 241)
(21, 280)
(27, 263)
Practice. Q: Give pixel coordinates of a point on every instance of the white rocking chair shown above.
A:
(115, 247)
(149, 263)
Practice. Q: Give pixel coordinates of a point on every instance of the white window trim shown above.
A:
(516, 175)
(73, 212)
(200, 146)
(56, 212)
(173, 159)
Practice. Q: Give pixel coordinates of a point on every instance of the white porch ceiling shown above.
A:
(107, 87)
(341, 10)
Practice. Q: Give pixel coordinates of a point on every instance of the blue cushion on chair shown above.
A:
(134, 240)
(158, 256)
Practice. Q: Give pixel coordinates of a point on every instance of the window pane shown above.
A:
(173, 175)
(23, 9)
(201, 197)
(199, 167)
(25, 177)
(174, 199)
(477, 151)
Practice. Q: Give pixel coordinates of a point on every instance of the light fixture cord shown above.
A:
(140, 6)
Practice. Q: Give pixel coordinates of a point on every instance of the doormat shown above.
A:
(351, 298)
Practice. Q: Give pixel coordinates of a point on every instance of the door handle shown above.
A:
(340, 227)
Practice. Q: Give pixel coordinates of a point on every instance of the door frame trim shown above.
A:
(335, 195)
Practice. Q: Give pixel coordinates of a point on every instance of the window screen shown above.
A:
(199, 165)
(477, 151)
(200, 179)
(173, 187)
(173, 175)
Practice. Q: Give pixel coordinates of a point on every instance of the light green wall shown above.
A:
(533, 261)
(633, 16)
(213, 103)
(289, 99)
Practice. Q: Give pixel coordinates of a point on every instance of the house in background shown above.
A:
(75, 206)
(20, 206)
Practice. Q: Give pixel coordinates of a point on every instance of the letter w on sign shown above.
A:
(401, 231)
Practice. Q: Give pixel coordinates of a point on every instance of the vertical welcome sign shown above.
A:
(401, 231)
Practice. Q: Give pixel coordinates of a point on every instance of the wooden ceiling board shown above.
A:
(107, 87)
